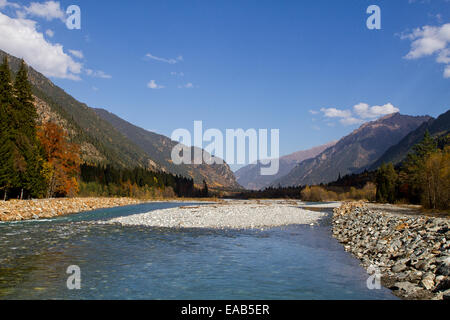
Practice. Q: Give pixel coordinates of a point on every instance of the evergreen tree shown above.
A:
(205, 191)
(386, 183)
(25, 110)
(8, 149)
(32, 179)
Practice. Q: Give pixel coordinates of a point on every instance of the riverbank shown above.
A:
(411, 252)
(225, 215)
(18, 210)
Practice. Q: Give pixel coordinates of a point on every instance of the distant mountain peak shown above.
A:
(354, 152)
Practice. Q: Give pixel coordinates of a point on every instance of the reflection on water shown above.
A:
(295, 262)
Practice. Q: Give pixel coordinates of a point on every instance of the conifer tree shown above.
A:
(32, 179)
(8, 150)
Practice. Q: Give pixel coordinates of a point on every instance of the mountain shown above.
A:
(100, 141)
(159, 148)
(353, 153)
(396, 154)
(250, 176)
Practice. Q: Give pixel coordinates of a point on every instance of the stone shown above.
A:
(444, 267)
(428, 281)
(407, 287)
(446, 295)
(399, 267)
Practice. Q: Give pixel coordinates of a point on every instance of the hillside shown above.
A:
(397, 153)
(354, 152)
(100, 141)
(250, 176)
(159, 148)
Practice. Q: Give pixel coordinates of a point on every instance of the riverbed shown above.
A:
(140, 262)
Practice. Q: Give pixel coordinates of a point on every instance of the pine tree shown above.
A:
(386, 183)
(25, 109)
(32, 179)
(8, 149)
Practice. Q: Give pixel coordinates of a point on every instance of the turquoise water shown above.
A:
(295, 262)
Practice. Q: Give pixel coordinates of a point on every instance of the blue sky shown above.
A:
(297, 66)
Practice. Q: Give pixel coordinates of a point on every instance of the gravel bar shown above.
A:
(227, 215)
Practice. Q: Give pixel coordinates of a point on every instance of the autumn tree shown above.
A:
(62, 165)
(436, 189)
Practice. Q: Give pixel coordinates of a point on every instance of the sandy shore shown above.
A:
(227, 215)
(16, 210)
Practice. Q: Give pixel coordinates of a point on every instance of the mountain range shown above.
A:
(107, 139)
(436, 127)
(355, 152)
(250, 176)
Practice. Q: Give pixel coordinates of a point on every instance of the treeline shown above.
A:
(423, 178)
(138, 183)
(38, 161)
(271, 193)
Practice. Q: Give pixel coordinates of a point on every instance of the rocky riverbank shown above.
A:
(16, 210)
(412, 253)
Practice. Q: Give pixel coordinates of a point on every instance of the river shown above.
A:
(293, 262)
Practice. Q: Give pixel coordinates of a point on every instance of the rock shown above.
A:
(444, 267)
(407, 287)
(446, 295)
(428, 281)
(399, 267)
(443, 285)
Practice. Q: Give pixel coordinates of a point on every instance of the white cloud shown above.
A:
(430, 40)
(49, 10)
(5, 3)
(364, 111)
(77, 54)
(188, 85)
(177, 74)
(447, 71)
(336, 113)
(49, 33)
(351, 121)
(153, 85)
(97, 74)
(170, 61)
(313, 112)
(359, 114)
(20, 38)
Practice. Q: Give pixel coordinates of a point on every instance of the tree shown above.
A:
(437, 180)
(205, 191)
(63, 160)
(413, 169)
(8, 150)
(386, 181)
(31, 179)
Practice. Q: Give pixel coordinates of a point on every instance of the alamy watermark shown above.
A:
(374, 281)
(74, 280)
(374, 20)
(73, 20)
(232, 147)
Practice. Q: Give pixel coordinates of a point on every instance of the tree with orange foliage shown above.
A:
(62, 166)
